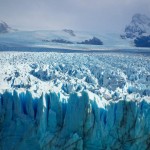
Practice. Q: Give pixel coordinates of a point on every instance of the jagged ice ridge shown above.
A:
(74, 101)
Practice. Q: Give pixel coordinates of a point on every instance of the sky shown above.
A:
(82, 15)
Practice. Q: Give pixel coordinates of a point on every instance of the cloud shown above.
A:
(93, 15)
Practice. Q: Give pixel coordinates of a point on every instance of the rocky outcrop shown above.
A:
(143, 41)
(93, 41)
(70, 32)
(61, 41)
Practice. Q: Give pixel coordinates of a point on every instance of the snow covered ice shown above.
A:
(66, 101)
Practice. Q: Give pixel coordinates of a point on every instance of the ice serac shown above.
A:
(80, 121)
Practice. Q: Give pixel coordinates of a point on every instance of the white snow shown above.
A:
(67, 73)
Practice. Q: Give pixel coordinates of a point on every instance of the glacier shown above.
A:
(81, 121)
(74, 101)
(49, 39)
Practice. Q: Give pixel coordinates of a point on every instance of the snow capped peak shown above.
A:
(5, 28)
(140, 19)
(139, 25)
(2, 22)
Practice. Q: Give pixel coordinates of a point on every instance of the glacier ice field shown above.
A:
(74, 101)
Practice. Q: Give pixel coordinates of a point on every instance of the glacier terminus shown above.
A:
(74, 101)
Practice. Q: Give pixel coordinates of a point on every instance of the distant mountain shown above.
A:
(142, 41)
(93, 41)
(61, 41)
(139, 26)
(4, 28)
(70, 32)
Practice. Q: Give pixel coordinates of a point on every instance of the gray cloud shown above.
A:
(93, 15)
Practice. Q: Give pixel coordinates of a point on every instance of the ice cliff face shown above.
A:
(83, 121)
(140, 25)
(73, 101)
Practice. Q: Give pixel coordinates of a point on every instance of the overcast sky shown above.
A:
(89, 15)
